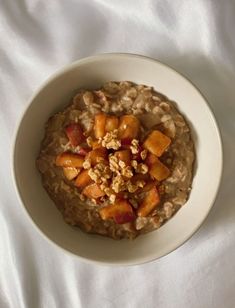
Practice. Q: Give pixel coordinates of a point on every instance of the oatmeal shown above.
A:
(118, 160)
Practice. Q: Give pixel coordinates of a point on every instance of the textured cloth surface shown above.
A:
(195, 37)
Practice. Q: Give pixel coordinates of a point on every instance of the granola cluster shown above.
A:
(115, 175)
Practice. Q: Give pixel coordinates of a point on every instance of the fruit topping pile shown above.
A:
(113, 168)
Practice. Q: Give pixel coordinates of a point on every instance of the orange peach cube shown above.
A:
(149, 185)
(93, 191)
(83, 179)
(121, 211)
(97, 155)
(129, 127)
(149, 203)
(157, 143)
(70, 172)
(96, 144)
(159, 171)
(111, 123)
(99, 126)
(69, 160)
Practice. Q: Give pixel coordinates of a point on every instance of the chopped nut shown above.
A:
(92, 174)
(112, 198)
(110, 140)
(140, 184)
(103, 186)
(118, 184)
(134, 146)
(143, 154)
(113, 163)
(134, 164)
(142, 168)
(127, 172)
(108, 191)
(100, 173)
(103, 179)
(122, 164)
(131, 187)
(66, 146)
(107, 174)
(86, 164)
(89, 141)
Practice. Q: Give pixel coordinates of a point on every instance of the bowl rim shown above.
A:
(66, 68)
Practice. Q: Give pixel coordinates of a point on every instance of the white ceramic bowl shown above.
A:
(90, 73)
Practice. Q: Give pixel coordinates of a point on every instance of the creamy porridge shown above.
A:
(118, 160)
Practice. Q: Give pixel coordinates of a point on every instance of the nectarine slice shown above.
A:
(149, 203)
(99, 126)
(157, 143)
(97, 155)
(129, 127)
(83, 179)
(69, 160)
(159, 171)
(111, 123)
(121, 211)
(70, 172)
(93, 191)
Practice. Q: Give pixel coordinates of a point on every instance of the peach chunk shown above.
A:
(70, 172)
(129, 127)
(151, 159)
(159, 171)
(93, 191)
(124, 155)
(99, 126)
(96, 144)
(75, 134)
(121, 211)
(148, 204)
(69, 160)
(97, 155)
(149, 185)
(157, 143)
(111, 123)
(83, 179)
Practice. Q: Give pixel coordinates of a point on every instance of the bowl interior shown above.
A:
(91, 73)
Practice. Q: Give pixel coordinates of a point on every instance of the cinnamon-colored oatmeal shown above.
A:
(117, 161)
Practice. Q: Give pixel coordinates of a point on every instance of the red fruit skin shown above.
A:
(125, 143)
(75, 134)
(83, 151)
(123, 218)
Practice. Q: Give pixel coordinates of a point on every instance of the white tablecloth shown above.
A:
(195, 37)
